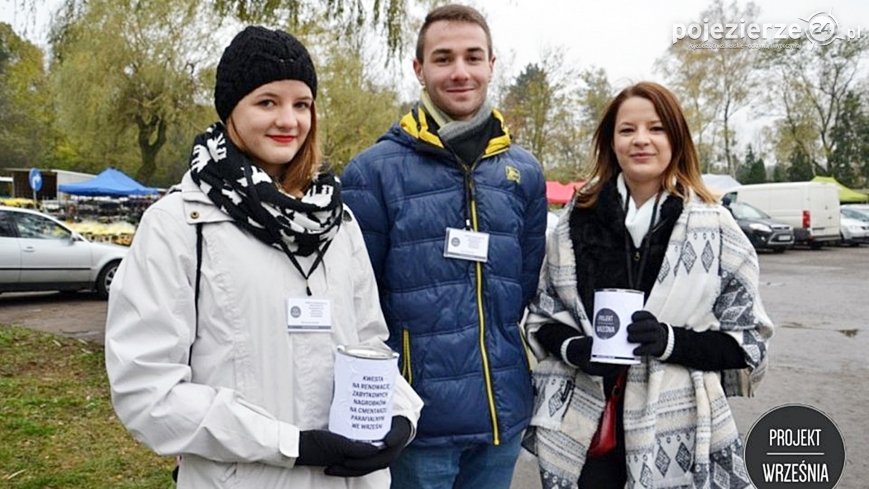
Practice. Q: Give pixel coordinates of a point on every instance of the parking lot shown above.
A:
(817, 299)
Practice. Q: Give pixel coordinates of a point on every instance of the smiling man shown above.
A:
(454, 217)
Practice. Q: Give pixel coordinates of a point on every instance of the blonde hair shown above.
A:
(683, 172)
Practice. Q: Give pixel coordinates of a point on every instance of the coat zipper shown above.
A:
(406, 370)
(478, 266)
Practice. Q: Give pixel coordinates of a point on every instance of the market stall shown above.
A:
(106, 208)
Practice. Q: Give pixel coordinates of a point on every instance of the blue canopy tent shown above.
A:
(110, 182)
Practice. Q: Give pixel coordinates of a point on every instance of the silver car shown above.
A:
(38, 252)
(854, 224)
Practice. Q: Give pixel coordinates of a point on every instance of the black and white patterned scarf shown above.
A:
(300, 226)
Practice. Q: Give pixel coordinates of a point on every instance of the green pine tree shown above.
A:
(800, 169)
(752, 170)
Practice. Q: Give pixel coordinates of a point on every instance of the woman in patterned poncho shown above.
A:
(646, 222)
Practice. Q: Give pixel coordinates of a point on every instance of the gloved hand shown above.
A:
(650, 333)
(393, 444)
(323, 448)
(579, 353)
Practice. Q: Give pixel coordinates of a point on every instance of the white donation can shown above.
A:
(362, 400)
(612, 315)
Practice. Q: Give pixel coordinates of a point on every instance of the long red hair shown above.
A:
(683, 172)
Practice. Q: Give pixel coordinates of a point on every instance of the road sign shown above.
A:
(35, 179)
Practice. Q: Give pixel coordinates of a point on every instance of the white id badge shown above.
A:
(466, 245)
(308, 315)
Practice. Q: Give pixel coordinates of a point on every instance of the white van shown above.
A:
(812, 208)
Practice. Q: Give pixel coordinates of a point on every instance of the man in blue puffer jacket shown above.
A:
(454, 218)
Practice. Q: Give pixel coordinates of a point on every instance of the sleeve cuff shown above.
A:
(671, 342)
(288, 446)
(564, 346)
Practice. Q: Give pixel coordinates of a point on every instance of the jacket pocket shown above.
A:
(199, 472)
(406, 370)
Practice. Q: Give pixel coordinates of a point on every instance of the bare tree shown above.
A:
(809, 86)
(715, 81)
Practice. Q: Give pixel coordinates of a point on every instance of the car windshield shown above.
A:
(856, 213)
(745, 211)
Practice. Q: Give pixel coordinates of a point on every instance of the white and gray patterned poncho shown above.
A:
(679, 430)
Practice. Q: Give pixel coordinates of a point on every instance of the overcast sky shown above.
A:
(624, 37)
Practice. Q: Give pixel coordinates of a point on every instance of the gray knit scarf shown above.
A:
(451, 130)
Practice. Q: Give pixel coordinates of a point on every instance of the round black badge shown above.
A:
(606, 323)
(794, 446)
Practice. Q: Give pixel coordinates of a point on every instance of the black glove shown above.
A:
(649, 333)
(579, 353)
(323, 448)
(553, 335)
(393, 444)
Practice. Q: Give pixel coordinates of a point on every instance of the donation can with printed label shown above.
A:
(612, 315)
(362, 401)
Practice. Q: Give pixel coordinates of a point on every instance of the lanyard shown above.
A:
(295, 262)
(468, 175)
(645, 245)
(258, 208)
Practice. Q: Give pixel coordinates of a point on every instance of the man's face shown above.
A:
(456, 67)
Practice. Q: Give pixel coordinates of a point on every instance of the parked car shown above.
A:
(764, 232)
(854, 224)
(856, 211)
(38, 252)
(811, 208)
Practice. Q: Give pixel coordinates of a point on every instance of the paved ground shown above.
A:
(78, 315)
(818, 300)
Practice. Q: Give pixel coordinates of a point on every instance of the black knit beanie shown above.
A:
(257, 56)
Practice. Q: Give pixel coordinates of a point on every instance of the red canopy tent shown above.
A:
(560, 193)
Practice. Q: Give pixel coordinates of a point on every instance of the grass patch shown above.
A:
(57, 426)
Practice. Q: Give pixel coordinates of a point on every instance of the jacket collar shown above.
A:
(417, 125)
(198, 208)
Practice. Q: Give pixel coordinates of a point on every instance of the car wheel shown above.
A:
(847, 242)
(105, 278)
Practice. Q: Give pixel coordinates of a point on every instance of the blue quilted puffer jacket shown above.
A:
(455, 322)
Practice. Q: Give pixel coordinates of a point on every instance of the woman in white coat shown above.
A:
(204, 359)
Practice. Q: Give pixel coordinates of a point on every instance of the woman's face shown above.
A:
(271, 123)
(640, 142)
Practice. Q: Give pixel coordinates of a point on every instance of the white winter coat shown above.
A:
(234, 414)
